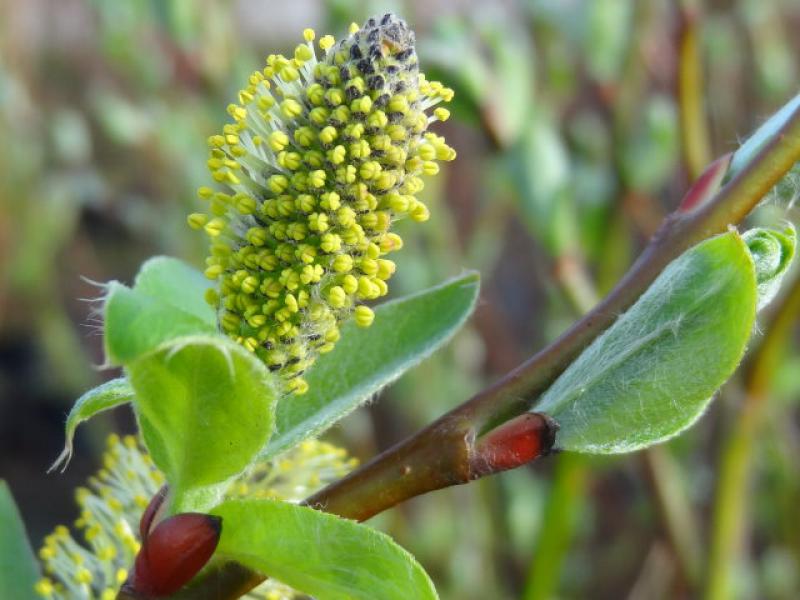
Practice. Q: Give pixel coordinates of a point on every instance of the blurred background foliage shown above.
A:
(578, 126)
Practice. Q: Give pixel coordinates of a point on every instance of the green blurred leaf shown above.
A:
(606, 40)
(787, 191)
(124, 122)
(405, 331)
(451, 54)
(488, 60)
(510, 93)
(70, 136)
(19, 569)
(652, 374)
(205, 407)
(103, 397)
(318, 553)
(649, 158)
(541, 173)
(166, 302)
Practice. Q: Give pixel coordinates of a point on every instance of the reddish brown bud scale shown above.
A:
(706, 185)
(153, 510)
(513, 444)
(174, 551)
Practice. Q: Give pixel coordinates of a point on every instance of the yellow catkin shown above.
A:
(325, 153)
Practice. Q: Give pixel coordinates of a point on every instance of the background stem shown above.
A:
(558, 527)
(675, 511)
(693, 124)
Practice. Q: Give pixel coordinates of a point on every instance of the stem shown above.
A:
(694, 127)
(558, 525)
(439, 455)
(675, 512)
(730, 502)
(576, 283)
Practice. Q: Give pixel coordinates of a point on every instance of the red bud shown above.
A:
(514, 443)
(174, 552)
(704, 188)
(152, 511)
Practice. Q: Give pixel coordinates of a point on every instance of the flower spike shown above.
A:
(325, 152)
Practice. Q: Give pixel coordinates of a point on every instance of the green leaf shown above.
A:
(103, 397)
(509, 100)
(773, 252)
(166, 302)
(19, 569)
(648, 157)
(405, 331)
(653, 372)
(319, 554)
(607, 39)
(205, 407)
(540, 170)
(177, 284)
(452, 53)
